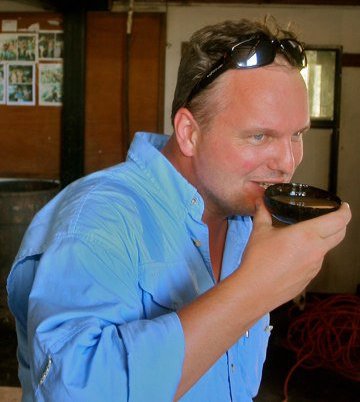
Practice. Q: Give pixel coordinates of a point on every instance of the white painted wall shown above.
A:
(317, 25)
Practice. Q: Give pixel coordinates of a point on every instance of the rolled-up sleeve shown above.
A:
(89, 334)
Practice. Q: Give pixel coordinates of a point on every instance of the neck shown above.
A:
(182, 163)
(217, 237)
(217, 223)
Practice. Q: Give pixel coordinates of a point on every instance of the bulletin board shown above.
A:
(31, 73)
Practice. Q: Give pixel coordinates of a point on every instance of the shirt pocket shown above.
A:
(166, 287)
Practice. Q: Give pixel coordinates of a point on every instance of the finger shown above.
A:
(334, 240)
(332, 223)
(262, 217)
(346, 207)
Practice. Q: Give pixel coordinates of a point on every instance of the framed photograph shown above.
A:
(51, 45)
(27, 47)
(8, 47)
(2, 83)
(20, 84)
(50, 84)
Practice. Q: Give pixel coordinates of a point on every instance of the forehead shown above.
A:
(273, 95)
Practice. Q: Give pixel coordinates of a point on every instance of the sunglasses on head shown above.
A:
(253, 51)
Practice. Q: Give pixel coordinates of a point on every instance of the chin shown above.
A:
(245, 210)
(250, 212)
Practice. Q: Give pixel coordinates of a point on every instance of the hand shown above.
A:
(283, 260)
(277, 264)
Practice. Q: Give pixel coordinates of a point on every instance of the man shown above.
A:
(148, 281)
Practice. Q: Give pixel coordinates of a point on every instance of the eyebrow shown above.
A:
(265, 129)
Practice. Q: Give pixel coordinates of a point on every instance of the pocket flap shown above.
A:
(169, 284)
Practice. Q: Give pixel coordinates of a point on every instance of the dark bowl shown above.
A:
(295, 202)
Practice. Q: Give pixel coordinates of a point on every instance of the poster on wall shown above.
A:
(26, 47)
(2, 83)
(22, 47)
(20, 54)
(20, 84)
(8, 47)
(51, 45)
(50, 84)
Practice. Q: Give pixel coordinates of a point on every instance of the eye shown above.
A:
(257, 138)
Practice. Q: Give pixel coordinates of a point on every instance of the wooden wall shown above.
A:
(111, 97)
(30, 136)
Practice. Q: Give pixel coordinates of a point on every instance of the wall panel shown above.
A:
(30, 135)
(118, 105)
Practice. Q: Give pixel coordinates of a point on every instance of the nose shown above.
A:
(286, 157)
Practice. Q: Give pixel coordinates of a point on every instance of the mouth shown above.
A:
(265, 185)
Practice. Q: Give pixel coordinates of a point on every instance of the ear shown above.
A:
(186, 130)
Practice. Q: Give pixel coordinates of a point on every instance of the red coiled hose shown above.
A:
(326, 334)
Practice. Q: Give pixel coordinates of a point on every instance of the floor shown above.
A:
(10, 394)
(304, 386)
(9, 384)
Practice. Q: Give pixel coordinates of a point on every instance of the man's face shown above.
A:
(253, 138)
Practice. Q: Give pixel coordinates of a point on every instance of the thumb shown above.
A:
(262, 216)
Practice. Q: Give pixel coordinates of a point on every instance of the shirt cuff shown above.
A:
(155, 350)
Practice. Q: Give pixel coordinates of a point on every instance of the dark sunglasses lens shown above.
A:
(294, 52)
(255, 53)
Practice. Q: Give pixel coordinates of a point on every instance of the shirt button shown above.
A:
(232, 367)
(197, 243)
(194, 201)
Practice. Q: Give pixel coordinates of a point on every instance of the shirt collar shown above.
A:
(145, 152)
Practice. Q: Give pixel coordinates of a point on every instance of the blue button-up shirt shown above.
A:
(98, 279)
